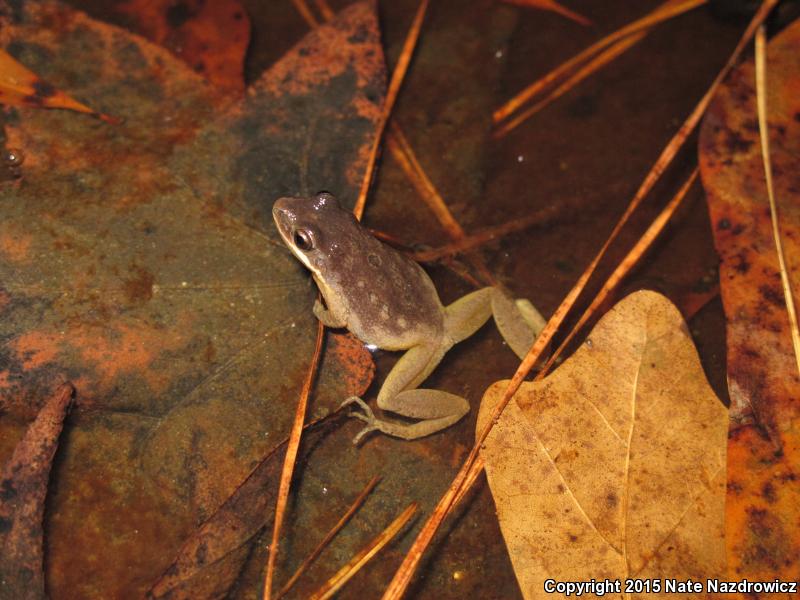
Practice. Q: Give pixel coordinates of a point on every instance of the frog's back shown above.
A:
(391, 303)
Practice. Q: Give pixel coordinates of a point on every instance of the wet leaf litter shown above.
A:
(166, 306)
(242, 211)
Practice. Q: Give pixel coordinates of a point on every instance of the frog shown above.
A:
(388, 301)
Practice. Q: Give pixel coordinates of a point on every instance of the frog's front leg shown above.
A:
(435, 409)
(326, 316)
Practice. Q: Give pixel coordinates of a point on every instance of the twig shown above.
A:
(626, 264)
(402, 577)
(289, 461)
(344, 574)
(391, 96)
(662, 13)
(763, 130)
(331, 534)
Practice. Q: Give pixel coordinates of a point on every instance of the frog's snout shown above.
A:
(282, 213)
(279, 207)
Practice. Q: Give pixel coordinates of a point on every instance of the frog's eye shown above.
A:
(325, 200)
(303, 239)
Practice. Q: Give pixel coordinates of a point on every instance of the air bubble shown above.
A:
(13, 157)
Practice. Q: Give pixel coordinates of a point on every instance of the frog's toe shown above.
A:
(373, 426)
(361, 404)
(367, 416)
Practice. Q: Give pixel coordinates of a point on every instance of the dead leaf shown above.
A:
(614, 465)
(141, 260)
(211, 559)
(764, 384)
(552, 6)
(764, 487)
(19, 86)
(211, 37)
(23, 487)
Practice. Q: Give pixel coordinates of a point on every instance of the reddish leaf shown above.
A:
(23, 487)
(211, 37)
(142, 261)
(763, 509)
(354, 366)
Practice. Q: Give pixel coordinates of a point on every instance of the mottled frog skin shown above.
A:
(387, 300)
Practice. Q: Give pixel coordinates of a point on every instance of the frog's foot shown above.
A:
(373, 423)
(517, 321)
(436, 409)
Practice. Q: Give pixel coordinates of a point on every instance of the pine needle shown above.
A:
(325, 9)
(763, 130)
(403, 153)
(552, 6)
(398, 75)
(330, 535)
(305, 12)
(289, 462)
(488, 234)
(626, 264)
(666, 11)
(597, 63)
(344, 574)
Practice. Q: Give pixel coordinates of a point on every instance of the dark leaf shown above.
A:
(209, 562)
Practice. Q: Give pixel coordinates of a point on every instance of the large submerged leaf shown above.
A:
(764, 451)
(140, 260)
(614, 465)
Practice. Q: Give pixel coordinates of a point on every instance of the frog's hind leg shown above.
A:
(466, 315)
(435, 409)
(517, 321)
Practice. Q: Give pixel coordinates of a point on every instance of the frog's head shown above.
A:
(315, 229)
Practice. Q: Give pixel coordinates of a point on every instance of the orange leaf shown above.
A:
(763, 502)
(20, 86)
